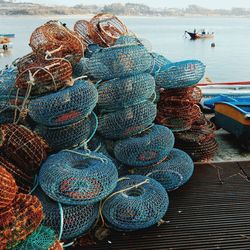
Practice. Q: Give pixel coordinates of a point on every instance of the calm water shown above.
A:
(228, 61)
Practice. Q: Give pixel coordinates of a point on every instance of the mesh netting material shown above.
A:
(119, 61)
(23, 147)
(23, 180)
(201, 130)
(58, 40)
(66, 106)
(127, 122)
(191, 94)
(124, 92)
(136, 208)
(180, 74)
(69, 136)
(158, 62)
(198, 151)
(173, 172)
(107, 28)
(77, 220)
(26, 215)
(47, 76)
(177, 114)
(79, 177)
(81, 68)
(8, 187)
(147, 148)
(83, 28)
(24, 62)
(7, 81)
(41, 239)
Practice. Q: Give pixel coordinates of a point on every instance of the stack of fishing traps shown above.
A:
(77, 132)
(178, 109)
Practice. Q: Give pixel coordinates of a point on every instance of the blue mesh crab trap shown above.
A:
(119, 61)
(125, 92)
(69, 136)
(147, 148)
(78, 177)
(127, 122)
(173, 172)
(7, 81)
(137, 202)
(68, 221)
(65, 106)
(80, 68)
(158, 62)
(180, 74)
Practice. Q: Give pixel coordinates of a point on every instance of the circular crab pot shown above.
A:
(66, 106)
(77, 220)
(147, 148)
(78, 177)
(141, 206)
(180, 74)
(124, 92)
(119, 61)
(128, 121)
(173, 172)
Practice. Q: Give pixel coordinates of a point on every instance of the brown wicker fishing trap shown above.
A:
(24, 62)
(192, 94)
(26, 215)
(43, 76)
(55, 40)
(56, 246)
(85, 29)
(103, 29)
(177, 114)
(22, 147)
(23, 180)
(8, 188)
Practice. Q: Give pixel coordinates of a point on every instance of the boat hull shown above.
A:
(195, 36)
(5, 46)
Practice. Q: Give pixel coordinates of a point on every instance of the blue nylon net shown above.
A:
(124, 92)
(77, 220)
(127, 122)
(158, 62)
(79, 177)
(173, 172)
(137, 208)
(119, 61)
(7, 81)
(65, 106)
(145, 149)
(41, 239)
(180, 74)
(69, 136)
(80, 68)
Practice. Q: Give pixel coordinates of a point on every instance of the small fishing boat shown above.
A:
(234, 117)
(5, 43)
(202, 35)
(8, 35)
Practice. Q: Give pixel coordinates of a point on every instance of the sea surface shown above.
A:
(228, 61)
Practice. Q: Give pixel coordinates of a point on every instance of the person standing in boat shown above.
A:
(194, 30)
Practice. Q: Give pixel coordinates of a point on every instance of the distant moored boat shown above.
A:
(8, 35)
(202, 35)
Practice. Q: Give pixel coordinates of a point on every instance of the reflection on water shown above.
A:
(228, 61)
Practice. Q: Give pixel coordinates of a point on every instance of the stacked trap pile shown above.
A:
(178, 108)
(75, 188)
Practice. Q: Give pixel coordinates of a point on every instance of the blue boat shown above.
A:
(234, 117)
(8, 35)
(210, 103)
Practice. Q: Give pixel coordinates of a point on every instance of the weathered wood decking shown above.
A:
(212, 211)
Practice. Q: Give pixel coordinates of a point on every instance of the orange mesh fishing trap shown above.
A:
(23, 147)
(26, 215)
(55, 40)
(84, 29)
(8, 188)
(43, 76)
(23, 180)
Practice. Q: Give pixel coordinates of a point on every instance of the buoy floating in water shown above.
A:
(213, 45)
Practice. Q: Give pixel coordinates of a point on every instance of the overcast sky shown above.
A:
(225, 4)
